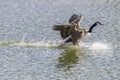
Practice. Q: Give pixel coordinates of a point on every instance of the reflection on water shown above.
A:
(69, 58)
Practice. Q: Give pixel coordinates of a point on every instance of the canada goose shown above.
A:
(79, 34)
(65, 30)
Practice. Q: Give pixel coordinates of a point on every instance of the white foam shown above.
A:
(99, 46)
(35, 44)
(42, 43)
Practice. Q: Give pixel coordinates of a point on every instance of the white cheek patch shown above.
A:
(88, 34)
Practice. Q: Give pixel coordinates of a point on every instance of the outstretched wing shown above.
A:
(76, 19)
(65, 30)
(73, 18)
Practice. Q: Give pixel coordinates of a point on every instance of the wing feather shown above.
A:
(65, 30)
(73, 18)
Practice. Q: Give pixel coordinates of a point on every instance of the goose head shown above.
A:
(98, 23)
(95, 24)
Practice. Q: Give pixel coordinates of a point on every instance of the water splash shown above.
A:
(42, 43)
(55, 43)
(23, 43)
(99, 46)
(35, 44)
(24, 36)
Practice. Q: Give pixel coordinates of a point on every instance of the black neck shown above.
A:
(91, 28)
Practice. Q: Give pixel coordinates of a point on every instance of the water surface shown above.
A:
(29, 48)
